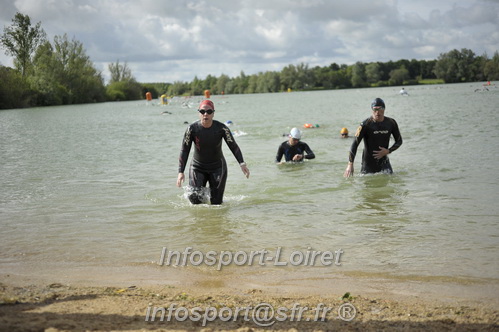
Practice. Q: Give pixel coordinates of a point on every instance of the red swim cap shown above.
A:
(207, 102)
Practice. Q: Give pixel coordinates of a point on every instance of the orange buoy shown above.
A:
(207, 93)
(148, 96)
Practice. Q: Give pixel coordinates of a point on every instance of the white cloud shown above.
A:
(180, 39)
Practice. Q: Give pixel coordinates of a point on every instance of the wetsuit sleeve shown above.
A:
(310, 154)
(280, 153)
(231, 143)
(185, 149)
(396, 136)
(359, 135)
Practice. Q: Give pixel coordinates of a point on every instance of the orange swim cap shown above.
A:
(207, 102)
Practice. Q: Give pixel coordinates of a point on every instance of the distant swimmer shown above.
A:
(344, 132)
(294, 149)
(208, 164)
(403, 92)
(375, 131)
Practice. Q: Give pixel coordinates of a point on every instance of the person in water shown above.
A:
(294, 149)
(375, 131)
(344, 132)
(208, 164)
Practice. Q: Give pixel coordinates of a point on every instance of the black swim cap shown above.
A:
(378, 102)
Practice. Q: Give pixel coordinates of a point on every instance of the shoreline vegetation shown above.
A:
(61, 73)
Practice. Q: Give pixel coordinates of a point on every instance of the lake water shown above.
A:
(93, 186)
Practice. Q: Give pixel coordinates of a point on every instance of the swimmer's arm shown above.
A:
(396, 136)
(310, 154)
(353, 151)
(280, 153)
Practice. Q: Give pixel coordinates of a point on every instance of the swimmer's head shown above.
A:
(208, 103)
(378, 103)
(344, 132)
(294, 136)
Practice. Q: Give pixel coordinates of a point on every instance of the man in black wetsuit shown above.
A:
(293, 149)
(208, 164)
(376, 131)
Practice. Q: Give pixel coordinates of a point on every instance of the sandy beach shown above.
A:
(29, 304)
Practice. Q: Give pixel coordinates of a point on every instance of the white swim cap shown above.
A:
(295, 133)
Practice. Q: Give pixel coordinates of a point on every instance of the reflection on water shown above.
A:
(381, 194)
(211, 225)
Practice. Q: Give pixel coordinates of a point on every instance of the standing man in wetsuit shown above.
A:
(208, 164)
(376, 131)
(293, 149)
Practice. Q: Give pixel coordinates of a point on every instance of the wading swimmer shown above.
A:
(294, 149)
(208, 163)
(375, 131)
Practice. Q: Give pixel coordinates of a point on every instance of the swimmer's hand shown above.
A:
(349, 170)
(245, 170)
(180, 179)
(380, 153)
(298, 157)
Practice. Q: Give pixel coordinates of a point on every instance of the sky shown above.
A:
(178, 40)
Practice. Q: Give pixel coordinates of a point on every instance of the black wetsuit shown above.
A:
(208, 164)
(288, 151)
(375, 134)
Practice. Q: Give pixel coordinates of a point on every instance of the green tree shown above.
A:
(398, 76)
(124, 90)
(47, 78)
(120, 72)
(491, 69)
(13, 89)
(340, 79)
(427, 69)
(122, 85)
(304, 77)
(178, 88)
(253, 83)
(456, 66)
(196, 87)
(240, 84)
(373, 73)
(222, 82)
(64, 74)
(78, 74)
(21, 40)
(288, 77)
(210, 83)
(358, 75)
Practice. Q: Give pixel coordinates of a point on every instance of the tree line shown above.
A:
(61, 73)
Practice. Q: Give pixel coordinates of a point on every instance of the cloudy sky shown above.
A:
(176, 40)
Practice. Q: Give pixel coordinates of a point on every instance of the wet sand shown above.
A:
(70, 303)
